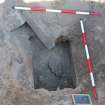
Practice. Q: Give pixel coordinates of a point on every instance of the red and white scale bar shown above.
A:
(89, 61)
(94, 13)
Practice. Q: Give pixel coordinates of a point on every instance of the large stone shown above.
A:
(51, 26)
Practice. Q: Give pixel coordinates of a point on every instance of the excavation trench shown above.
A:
(52, 68)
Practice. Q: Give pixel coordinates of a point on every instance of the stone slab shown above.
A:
(51, 26)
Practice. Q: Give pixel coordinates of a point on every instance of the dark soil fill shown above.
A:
(54, 68)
